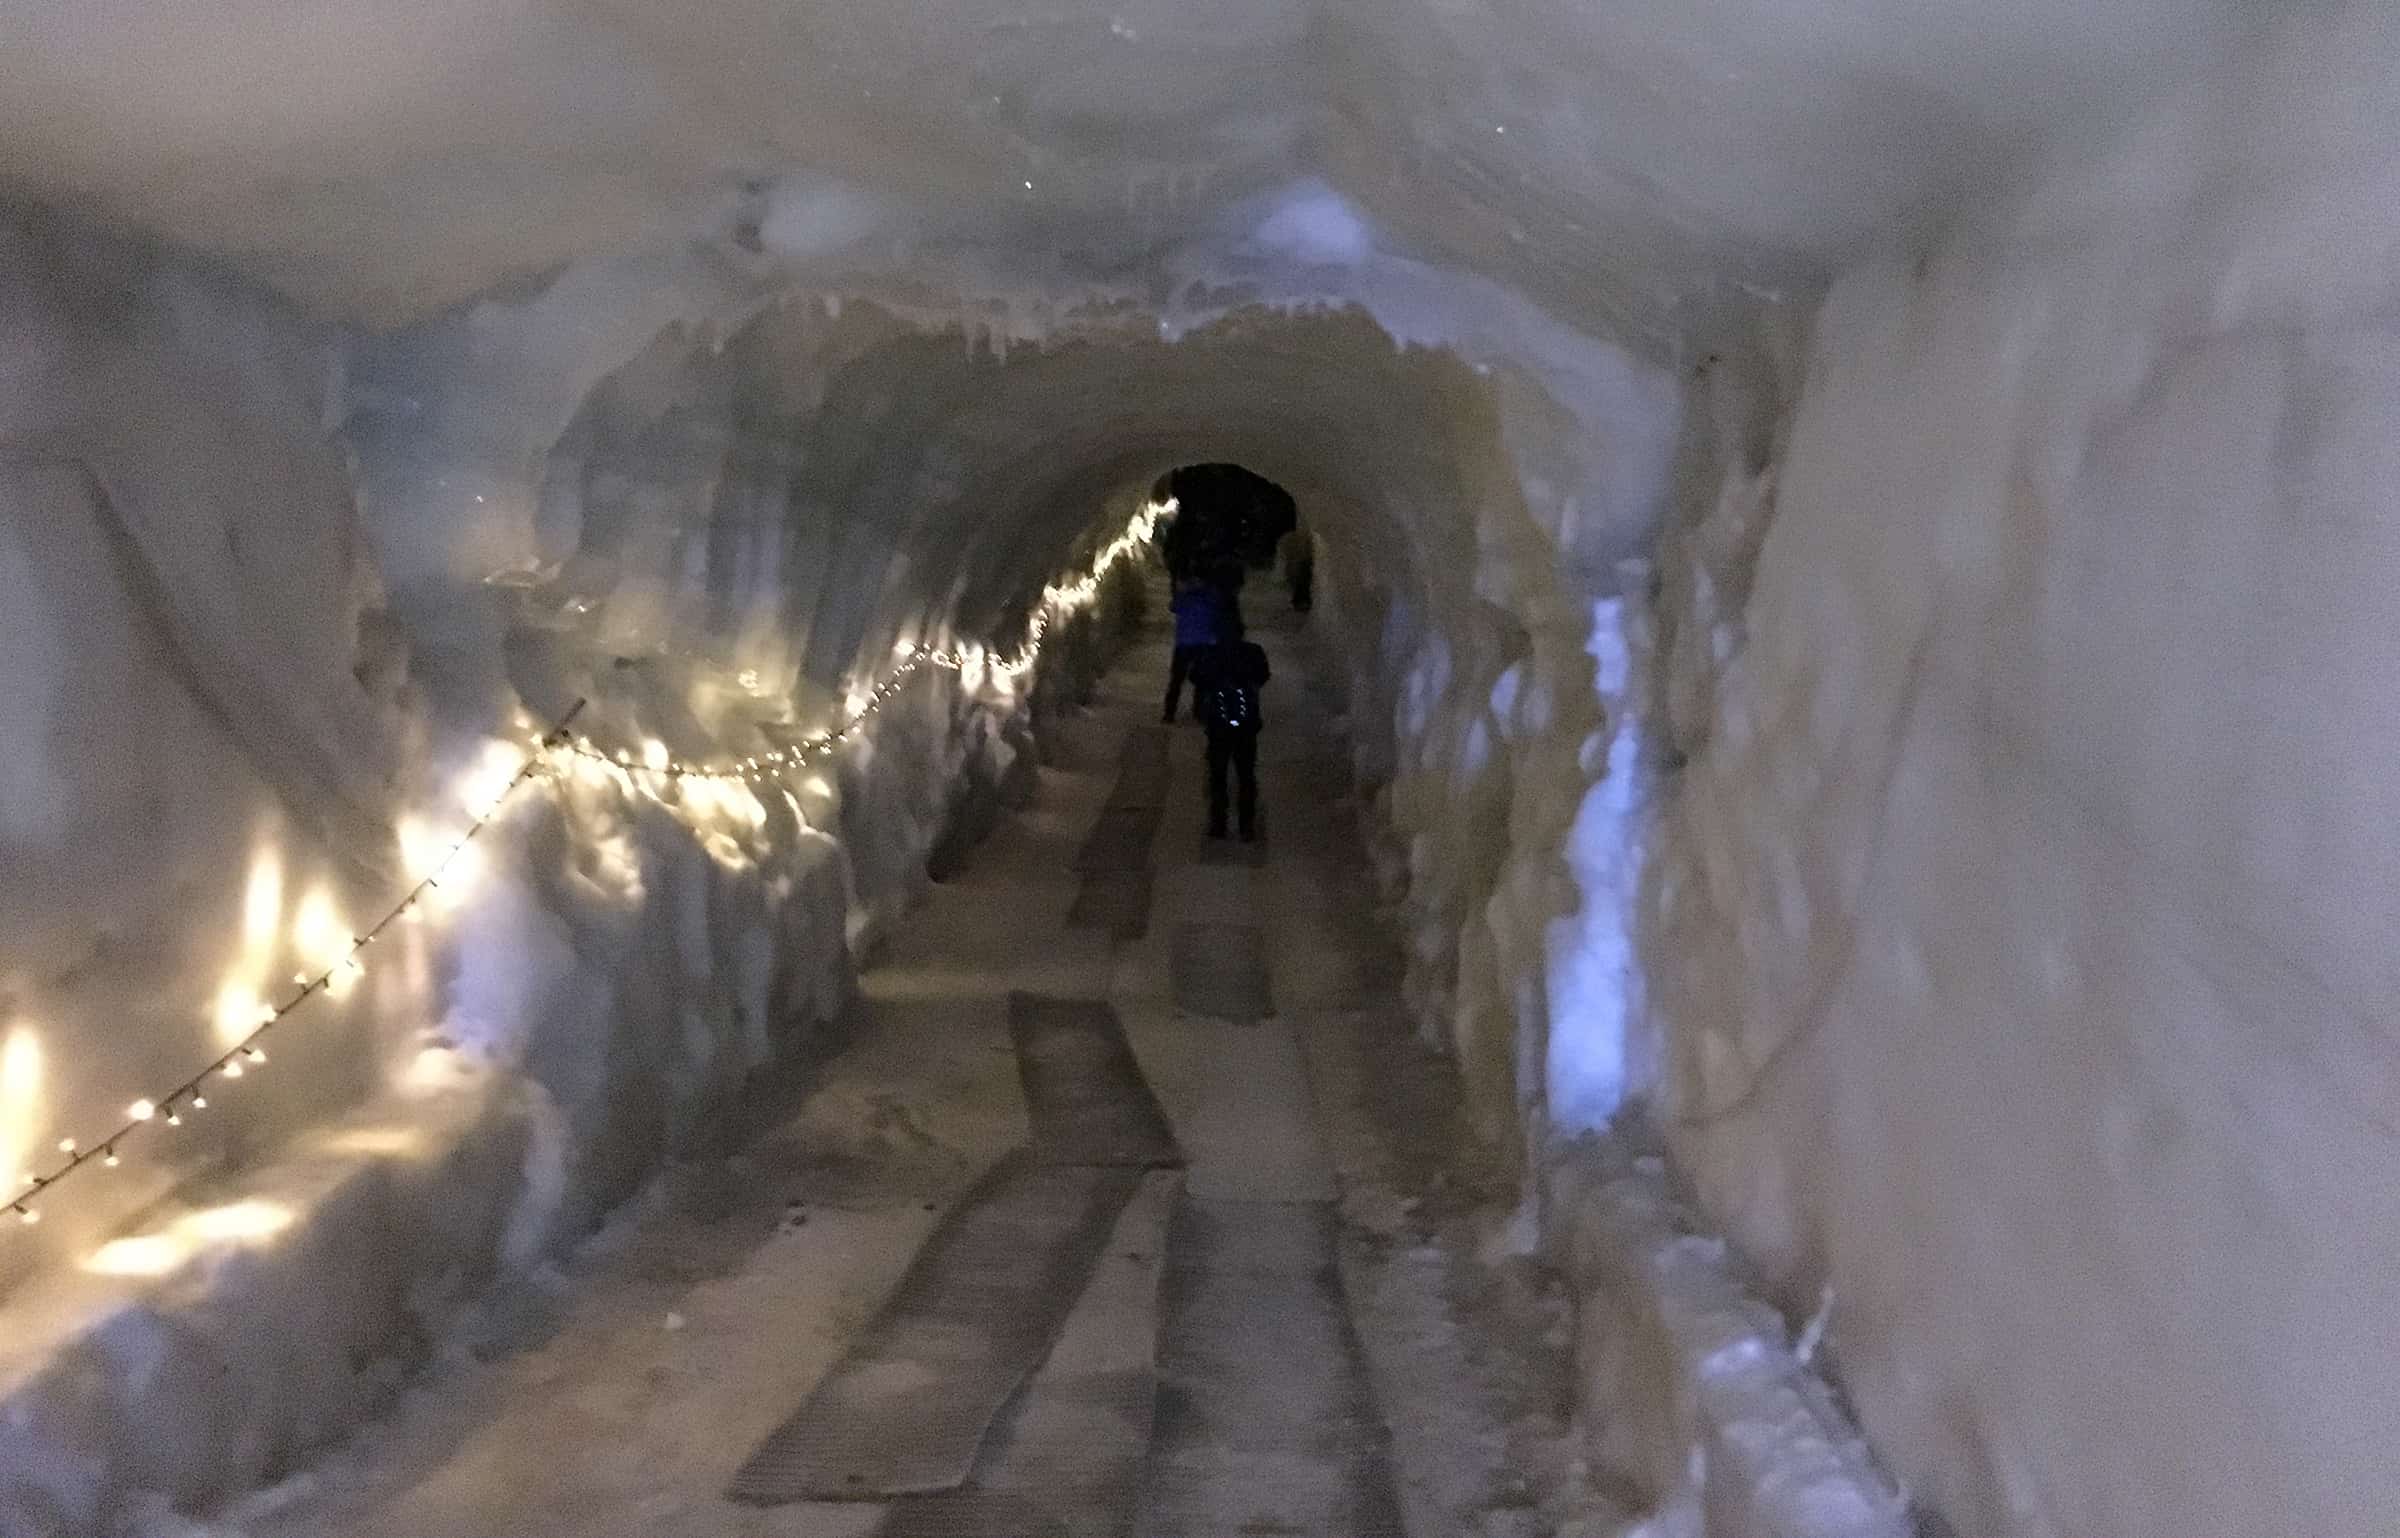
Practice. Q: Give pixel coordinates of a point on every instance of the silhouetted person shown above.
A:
(1200, 611)
(1226, 679)
(1228, 574)
(1181, 543)
(1300, 568)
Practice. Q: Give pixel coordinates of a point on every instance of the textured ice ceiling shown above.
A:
(1634, 165)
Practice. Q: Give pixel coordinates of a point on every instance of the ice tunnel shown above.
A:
(578, 588)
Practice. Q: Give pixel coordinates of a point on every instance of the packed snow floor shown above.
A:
(620, 1396)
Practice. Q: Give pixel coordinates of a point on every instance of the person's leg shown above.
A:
(1220, 755)
(1177, 670)
(1245, 767)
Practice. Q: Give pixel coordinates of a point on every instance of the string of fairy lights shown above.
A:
(248, 1055)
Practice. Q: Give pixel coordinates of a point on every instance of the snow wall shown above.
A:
(255, 684)
(2019, 923)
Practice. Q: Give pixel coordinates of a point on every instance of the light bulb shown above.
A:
(174, 1118)
(345, 977)
(111, 1160)
(257, 1055)
(28, 1216)
(141, 1110)
(66, 1145)
(199, 1102)
(232, 1070)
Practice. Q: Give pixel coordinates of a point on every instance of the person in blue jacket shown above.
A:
(1200, 609)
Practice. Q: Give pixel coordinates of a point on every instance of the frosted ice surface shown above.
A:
(399, 161)
(1593, 980)
(1312, 224)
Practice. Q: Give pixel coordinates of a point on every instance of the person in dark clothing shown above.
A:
(1199, 610)
(1300, 568)
(1226, 679)
(1227, 576)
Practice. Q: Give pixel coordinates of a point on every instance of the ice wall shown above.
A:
(270, 649)
(2020, 923)
(268, 653)
(205, 705)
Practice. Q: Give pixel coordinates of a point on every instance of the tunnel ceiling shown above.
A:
(977, 469)
(1632, 164)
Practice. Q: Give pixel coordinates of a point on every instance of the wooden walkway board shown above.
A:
(907, 1408)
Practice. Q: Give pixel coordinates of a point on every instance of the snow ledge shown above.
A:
(1689, 1387)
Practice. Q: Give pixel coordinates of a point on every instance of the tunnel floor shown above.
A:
(1127, 1204)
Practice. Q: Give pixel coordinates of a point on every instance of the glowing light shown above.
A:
(28, 1215)
(146, 1255)
(654, 754)
(596, 771)
(66, 1145)
(385, 1141)
(495, 769)
(232, 1070)
(239, 1011)
(20, 1098)
(262, 899)
(433, 1068)
(748, 679)
(345, 977)
(253, 1219)
(318, 931)
(141, 1110)
(461, 870)
(421, 844)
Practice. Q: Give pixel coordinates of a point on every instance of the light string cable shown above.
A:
(1059, 601)
(248, 1055)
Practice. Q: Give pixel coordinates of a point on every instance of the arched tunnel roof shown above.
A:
(1630, 164)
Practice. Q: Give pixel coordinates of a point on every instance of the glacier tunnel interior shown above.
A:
(574, 575)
